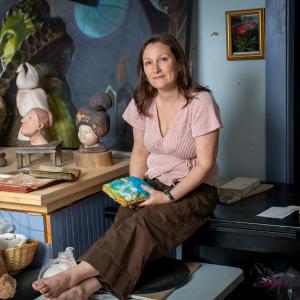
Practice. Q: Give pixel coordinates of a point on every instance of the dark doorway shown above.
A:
(297, 96)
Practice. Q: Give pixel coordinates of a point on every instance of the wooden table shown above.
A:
(64, 214)
(59, 195)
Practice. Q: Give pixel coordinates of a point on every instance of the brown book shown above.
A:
(58, 173)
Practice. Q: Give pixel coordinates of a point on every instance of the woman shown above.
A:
(33, 125)
(176, 127)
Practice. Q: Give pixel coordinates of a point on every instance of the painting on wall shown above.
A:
(245, 34)
(80, 48)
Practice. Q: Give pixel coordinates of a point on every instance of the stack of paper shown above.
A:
(278, 212)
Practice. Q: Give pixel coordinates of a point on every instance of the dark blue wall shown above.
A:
(279, 23)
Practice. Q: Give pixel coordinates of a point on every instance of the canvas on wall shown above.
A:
(79, 51)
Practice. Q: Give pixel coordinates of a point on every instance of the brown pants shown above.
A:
(139, 236)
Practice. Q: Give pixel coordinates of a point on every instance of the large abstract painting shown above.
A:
(80, 48)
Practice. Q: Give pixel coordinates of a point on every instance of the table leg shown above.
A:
(19, 160)
(59, 157)
(53, 159)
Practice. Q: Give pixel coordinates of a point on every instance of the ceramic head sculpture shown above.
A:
(7, 283)
(33, 125)
(29, 95)
(93, 123)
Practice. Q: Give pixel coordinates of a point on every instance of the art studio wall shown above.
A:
(99, 60)
(238, 86)
(97, 53)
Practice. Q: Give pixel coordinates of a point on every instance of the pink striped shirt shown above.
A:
(174, 155)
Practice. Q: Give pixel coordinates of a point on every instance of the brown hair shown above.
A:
(144, 92)
(43, 117)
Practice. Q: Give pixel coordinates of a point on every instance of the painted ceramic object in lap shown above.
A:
(126, 190)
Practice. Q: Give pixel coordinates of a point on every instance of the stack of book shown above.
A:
(53, 172)
(241, 187)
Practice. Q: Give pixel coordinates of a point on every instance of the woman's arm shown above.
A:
(139, 155)
(206, 148)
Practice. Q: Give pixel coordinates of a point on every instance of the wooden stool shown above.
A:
(52, 148)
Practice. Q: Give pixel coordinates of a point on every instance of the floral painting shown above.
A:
(245, 34)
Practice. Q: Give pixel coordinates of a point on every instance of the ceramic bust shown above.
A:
(33, 125)
(93, 123)
(29, 95)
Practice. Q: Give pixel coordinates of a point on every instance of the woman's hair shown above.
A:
(144, 93)
(43, 117)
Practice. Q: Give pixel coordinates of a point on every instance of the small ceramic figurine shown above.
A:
(93, 123)
(3, 161)
(29, 95)
(7, 283)
(33, 125)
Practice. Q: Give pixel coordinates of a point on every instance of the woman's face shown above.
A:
(30, 124)
(87, 136)
(160, 66)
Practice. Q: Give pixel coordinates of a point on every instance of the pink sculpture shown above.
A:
(29, 95)
(33, 125)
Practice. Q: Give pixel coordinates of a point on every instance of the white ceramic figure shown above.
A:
(29, 95)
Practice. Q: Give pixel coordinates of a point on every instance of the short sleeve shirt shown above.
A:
(172, 156)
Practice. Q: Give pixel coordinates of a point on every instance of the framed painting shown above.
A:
(245, 35)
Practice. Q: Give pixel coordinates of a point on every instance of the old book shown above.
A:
(126, 191)
(58, 173)
(23, 183)
(262, 187)
(238, 186)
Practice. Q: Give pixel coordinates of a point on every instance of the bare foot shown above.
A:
(52, 287)
(75, 293)
(81, 291)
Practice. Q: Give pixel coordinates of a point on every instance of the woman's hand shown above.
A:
(156, 197)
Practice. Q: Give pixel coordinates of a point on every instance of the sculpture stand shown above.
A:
(93, 160)
(52, 148)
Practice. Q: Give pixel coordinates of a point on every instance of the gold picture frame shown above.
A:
(245, 34)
